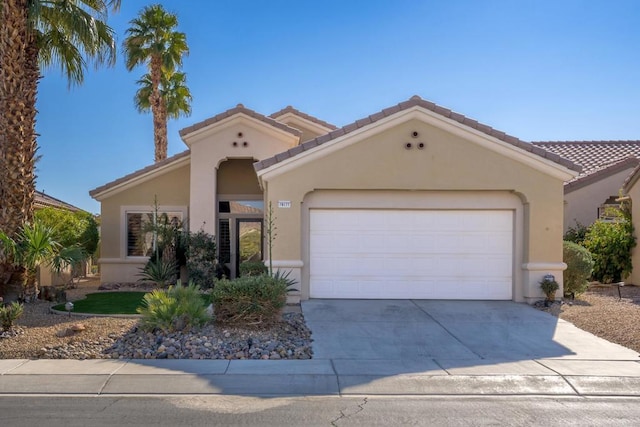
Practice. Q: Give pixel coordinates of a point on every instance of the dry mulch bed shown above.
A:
(601, 312)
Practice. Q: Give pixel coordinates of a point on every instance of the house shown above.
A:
(605, 166)
(414, 201)
(43, 200)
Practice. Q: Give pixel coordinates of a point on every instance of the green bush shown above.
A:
(252, 268)
(576, 233)
(579, 268)
(9, 314)
(549, 287)
(175, 309)
(610, 244)
(250, 299)
(201, 259)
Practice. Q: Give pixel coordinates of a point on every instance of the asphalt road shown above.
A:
(83, 411)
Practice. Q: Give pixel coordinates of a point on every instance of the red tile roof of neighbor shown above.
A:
(415, 101)
(43, 200)
(592, 155)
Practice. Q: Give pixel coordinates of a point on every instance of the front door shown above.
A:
(239, 240)
(248, 242)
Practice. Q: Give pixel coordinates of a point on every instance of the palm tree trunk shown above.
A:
(17, 118)
(159, 113)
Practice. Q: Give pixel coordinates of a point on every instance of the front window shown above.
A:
(142, 227)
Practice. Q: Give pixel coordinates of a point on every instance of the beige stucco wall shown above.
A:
(448, 163)
(237, 176)
(581, 205)
(634, 193)
(171, 189)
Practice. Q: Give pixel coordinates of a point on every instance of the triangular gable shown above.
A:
(417, 107)
(238, 111)
(293, 117)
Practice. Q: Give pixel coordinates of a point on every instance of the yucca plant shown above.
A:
(9, 314)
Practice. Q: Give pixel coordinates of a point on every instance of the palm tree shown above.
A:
(35, 34)
(173, 90)
(153, 40)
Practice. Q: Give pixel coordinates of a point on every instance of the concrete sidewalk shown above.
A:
(556, 377)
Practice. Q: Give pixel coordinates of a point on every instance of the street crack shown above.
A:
(349, 412)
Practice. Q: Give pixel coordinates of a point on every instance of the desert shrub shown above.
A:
(252, 268)
(175, 309)
(579, 267)
(610, 244)
(202, 265)
(549, 287)
(576, 233)
(250, 299)
(9, 314)
(161, 272)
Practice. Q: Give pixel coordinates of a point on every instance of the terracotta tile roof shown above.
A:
(591, 155)
(139, 172)
(43, 200)
(290, 109)
(599, 172)
(416, 101)
(239, 109)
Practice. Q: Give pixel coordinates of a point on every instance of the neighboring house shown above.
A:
(631, 189)
(46, 276)
(605, 166)
(414, 201)
(43, 200)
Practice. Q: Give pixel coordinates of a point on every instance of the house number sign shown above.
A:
(285, 204)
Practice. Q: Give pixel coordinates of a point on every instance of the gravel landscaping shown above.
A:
(601, 312)
(41, 334)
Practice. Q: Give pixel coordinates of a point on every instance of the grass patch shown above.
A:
(107, 303)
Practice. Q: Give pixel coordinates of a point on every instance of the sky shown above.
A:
(536, 69)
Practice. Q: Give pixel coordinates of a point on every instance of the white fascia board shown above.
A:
(535, 161)
(235, 120)
(137, 180)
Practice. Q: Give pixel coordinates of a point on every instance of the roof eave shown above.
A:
(547, 162)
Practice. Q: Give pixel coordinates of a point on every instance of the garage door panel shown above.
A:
(442, 254)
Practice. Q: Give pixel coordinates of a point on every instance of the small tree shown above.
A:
(610, 244)
(579, 268)
(576, 233)
(202, 265)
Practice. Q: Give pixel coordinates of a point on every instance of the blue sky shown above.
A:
(538, 70)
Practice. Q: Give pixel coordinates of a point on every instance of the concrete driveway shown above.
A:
(446, 334)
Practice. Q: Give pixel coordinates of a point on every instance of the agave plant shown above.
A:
(159, 271)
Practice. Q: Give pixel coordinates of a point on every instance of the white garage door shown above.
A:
(419, 254)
